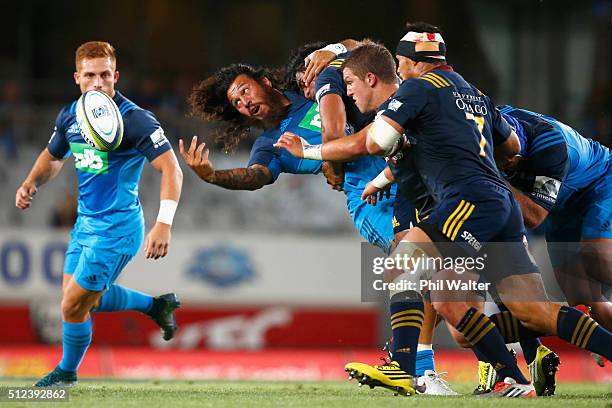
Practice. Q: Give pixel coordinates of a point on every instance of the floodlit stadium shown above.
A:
(279, 203)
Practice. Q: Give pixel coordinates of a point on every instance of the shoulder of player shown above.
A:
(328, 75)
(433, 80)
(415, 84)
(268, 137)
(339, 60)
(66, 115)
(136, 117)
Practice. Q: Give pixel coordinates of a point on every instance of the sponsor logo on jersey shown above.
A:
(74, 128)
(546, 188)
(312, 119)
(158, 138)
(394, 105)
(89, 160)
(470, 239)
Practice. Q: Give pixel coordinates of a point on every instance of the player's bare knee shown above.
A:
(460, 339)
(72, 309)
(449, 311)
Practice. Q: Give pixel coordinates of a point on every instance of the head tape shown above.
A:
(422, 47)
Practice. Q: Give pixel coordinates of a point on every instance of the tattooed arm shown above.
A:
(250, 178)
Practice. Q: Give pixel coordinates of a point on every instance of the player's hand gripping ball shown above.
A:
(99, 121)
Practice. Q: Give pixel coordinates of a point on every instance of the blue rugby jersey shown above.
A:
(559, 164)
(304, 120)
(108, 203)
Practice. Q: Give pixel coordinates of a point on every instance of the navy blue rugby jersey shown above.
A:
(455, 127)
(358, 172)
(330, 81)
(406, 175)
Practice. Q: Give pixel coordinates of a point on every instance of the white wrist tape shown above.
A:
(384, 135)
(167, 208)
(336, 48)
(312, 152)
(381, 181)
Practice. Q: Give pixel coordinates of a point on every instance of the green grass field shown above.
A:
(150, 394)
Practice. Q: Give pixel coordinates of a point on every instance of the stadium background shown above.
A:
(274, 272)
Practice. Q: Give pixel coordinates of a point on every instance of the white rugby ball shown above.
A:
(99, 121)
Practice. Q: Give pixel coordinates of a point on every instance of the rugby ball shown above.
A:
(99, 121)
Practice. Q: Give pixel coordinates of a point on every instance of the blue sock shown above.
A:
(484, 336)
(121, 298)
(579, 329)
(76, 339)
(406, 322)
(424, 361)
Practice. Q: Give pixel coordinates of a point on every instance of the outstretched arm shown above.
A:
(44, 169)
(343, 149)
(250, 178)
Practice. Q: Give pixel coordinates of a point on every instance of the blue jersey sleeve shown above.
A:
(328, 82)
(501, 130)
(265, 154)
(58, 145)
(541, 175)
(144, 133)
(407, 103)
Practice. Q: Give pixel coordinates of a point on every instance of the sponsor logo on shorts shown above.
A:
(470, 239)
(396, 223)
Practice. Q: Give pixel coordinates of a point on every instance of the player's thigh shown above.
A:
(99, 266)
(597, 218)
(405, 216)
(374, 223)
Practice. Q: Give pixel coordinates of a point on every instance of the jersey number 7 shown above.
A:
(480, 124)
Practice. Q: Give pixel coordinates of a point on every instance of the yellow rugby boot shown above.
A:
(543, 369)
(389, 376)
